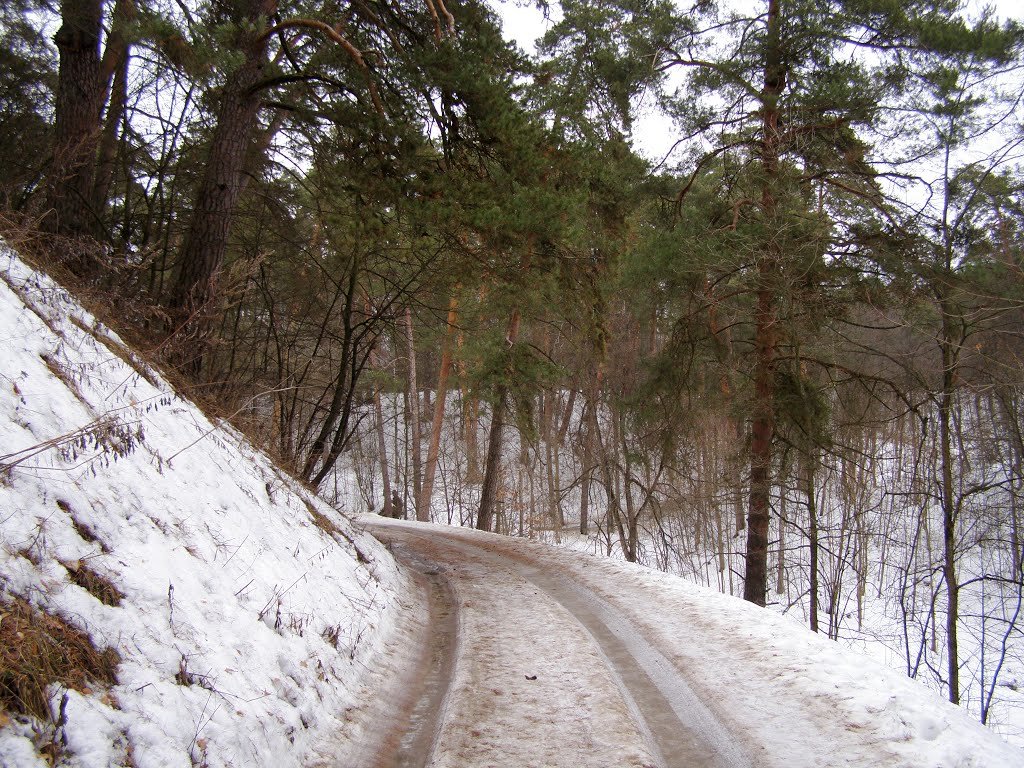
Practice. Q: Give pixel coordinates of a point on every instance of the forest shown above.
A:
(785, 359)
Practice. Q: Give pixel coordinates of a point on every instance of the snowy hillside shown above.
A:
(244, 613)
(169, 598)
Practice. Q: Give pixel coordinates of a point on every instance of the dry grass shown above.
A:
(86, 533)
(109, 285)
(332, 634)
(324, 523)
(97, 585)
(321, 521)
(38, 650)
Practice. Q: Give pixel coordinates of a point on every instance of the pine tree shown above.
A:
(787, 100)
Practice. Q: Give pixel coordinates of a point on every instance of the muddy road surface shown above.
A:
(523, 663)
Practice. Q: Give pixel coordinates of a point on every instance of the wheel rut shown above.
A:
(683, 731)
(423, 692)
(678, 728)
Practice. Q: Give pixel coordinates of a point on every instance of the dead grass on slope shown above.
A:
(38, 650)
(96, 584)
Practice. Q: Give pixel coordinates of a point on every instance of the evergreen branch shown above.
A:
(332, 33)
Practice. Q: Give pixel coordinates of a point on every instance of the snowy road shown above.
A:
(521, 654)
(481, 651)
(528, 666)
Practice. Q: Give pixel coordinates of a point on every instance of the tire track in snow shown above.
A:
(677, 726)
(424, 689)
(683, 730)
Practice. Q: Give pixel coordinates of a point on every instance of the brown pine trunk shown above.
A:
(114, 83)
(762, 433)
(548, 416)
(588, 471)
(489, 489)
(763, 422)
(492, 466)
(423, 504)
(551, 463)
(196, 285)
(471, 419)
(77, 113)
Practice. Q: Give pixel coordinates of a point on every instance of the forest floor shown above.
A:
(537, 656)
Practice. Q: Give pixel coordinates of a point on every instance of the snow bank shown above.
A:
(250, 609)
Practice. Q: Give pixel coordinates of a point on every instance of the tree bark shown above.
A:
(382, 443)
(471, 419)
(765, 340)
(812, 532)
(949, 516)
(382, 449)
(567, 414)
(628, 532)
(114, 83)
(548, 416)
(202, 255)
(427, 490)
(414, 413)
(588, 472)
(77, 112)
(489, 488)
(492, 466)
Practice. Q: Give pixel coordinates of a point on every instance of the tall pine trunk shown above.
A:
(427, 490)
(763, 421)
(77, 116)
(492, 466)
(195, 288)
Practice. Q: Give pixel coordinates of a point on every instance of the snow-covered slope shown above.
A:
(249, 611)
(254, 626)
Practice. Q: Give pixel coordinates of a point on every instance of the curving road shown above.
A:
(523, 663)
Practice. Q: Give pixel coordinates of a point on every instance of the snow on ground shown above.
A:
(529, 686)
(799, 698)
(251, 611)
(258, 627)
